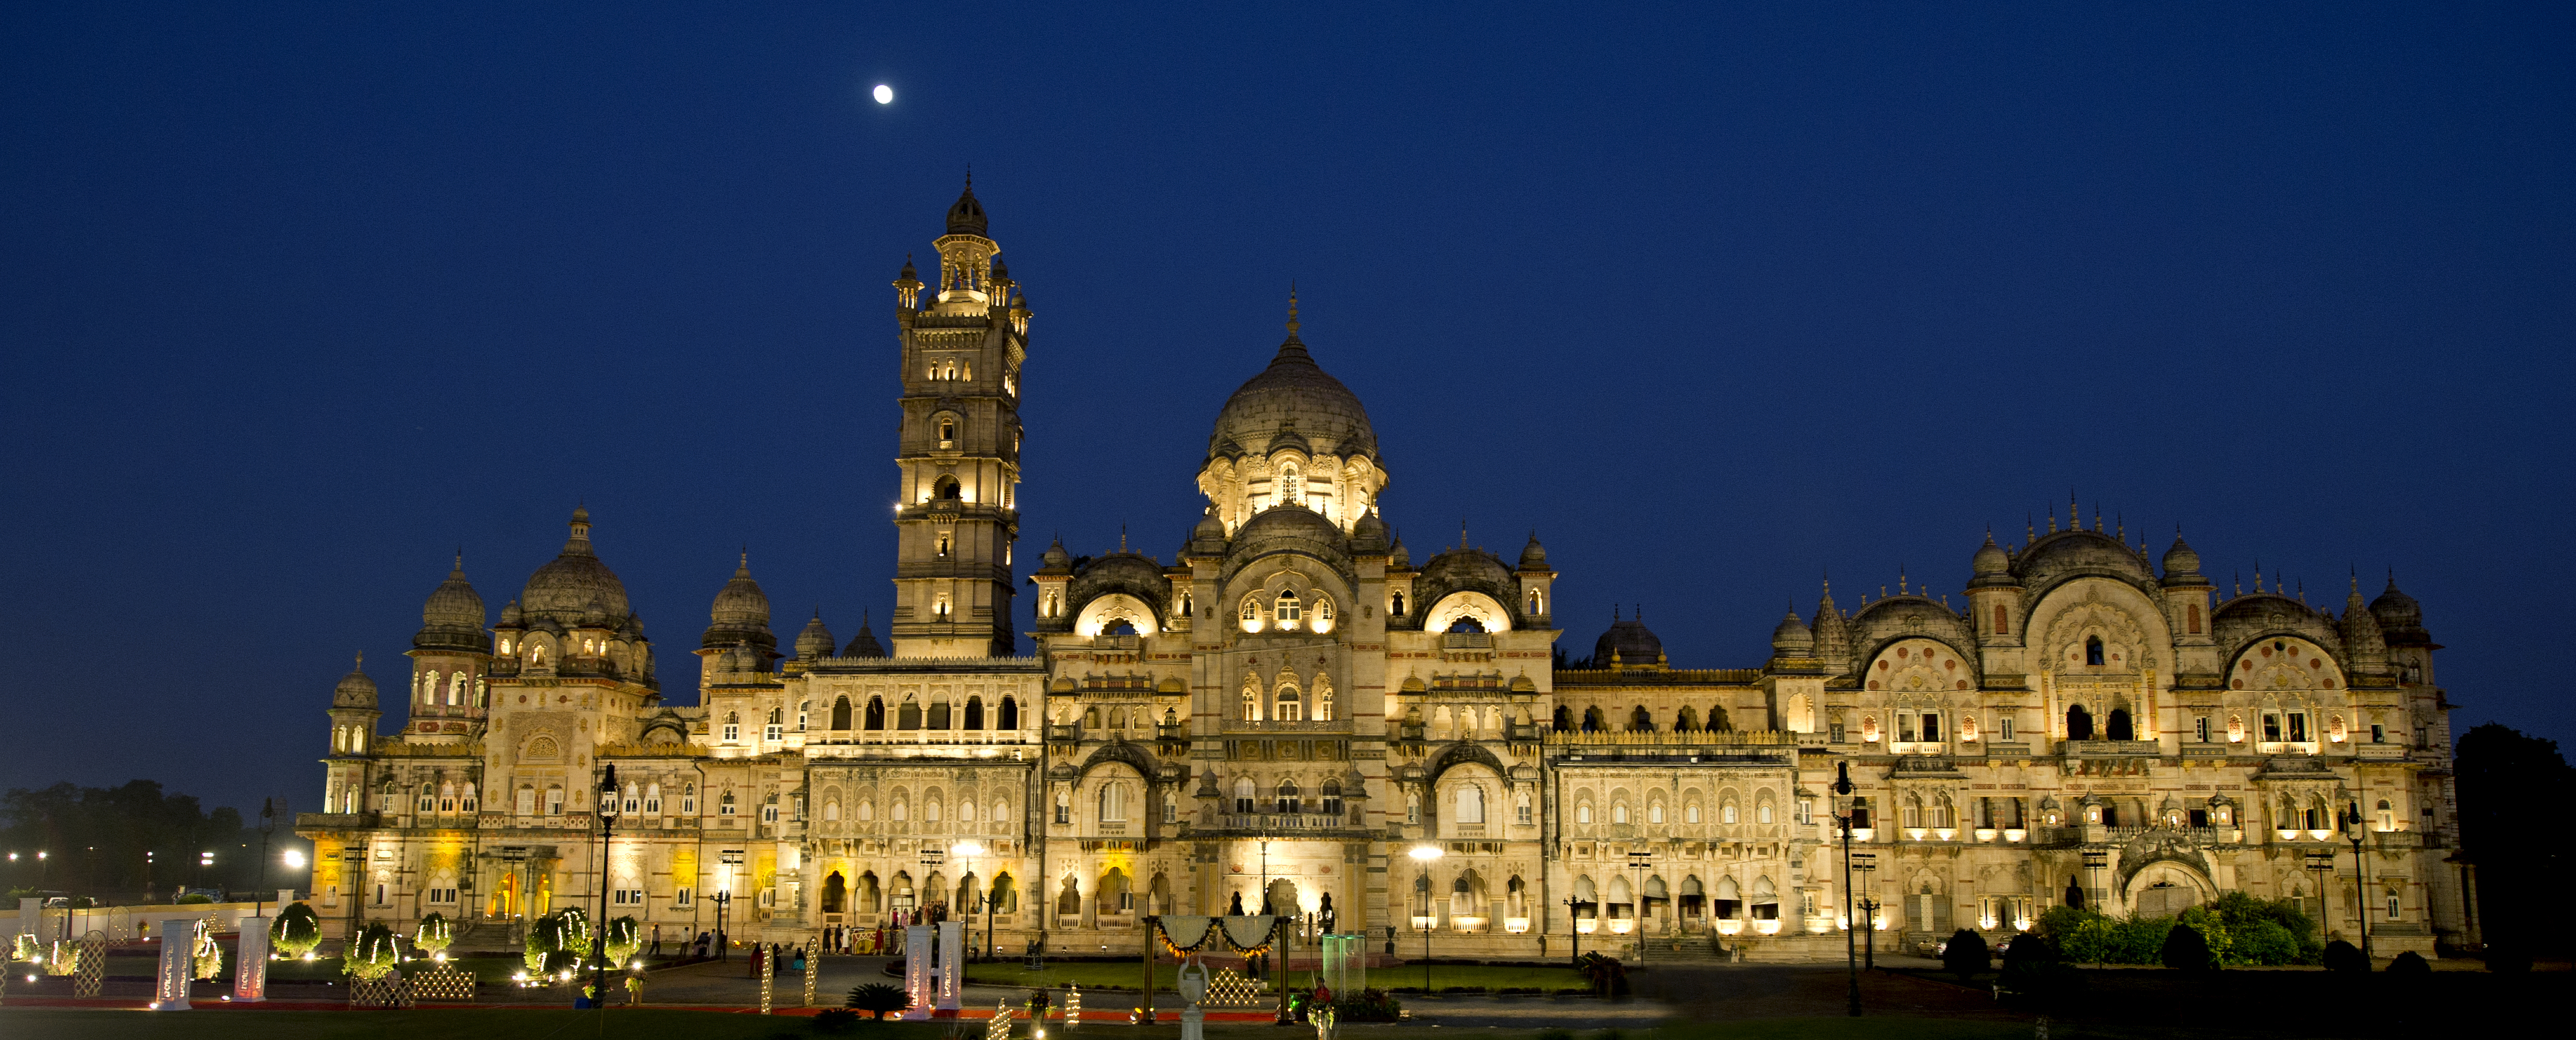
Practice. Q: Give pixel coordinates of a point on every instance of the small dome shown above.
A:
(1990, 559)
(1210, 527)
(967, 216)
(567, 585)
(1055, 558)
(740, 658)
(816, 641)
(511, 614)
(740, 602)
(355, 689)
(1533, 555)
(1627, 642)
(865, 643)
(1369, 535)
(2182, 566)
(454, 604)
(1792, 637)
(1396, 556)
(1001, 271)
(908, 274)
(2398, 613)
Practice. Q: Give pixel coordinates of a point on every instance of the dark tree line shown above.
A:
(96, 838)
(2510, 788)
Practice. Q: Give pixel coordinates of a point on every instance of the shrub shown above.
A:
(623, 939)
(1556, 1034)
(2092, 940)
(2263, 942)
(1607, 975)
(435, 934)
(880, 998)
(297, 930)
(206, 956)
(373, 954)
(194, 897)
(835, 1020)
(2343, 956)
(1965, 954)
(576, 933)
(26, 948)
(1368, 1005)
(2410, 963)
(2060, 922)
(2186, 950)
(545, 939)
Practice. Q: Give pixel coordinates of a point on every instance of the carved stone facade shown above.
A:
(1291, 709)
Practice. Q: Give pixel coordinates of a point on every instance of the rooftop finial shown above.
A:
(1122, 538)
(362, 661)
(1292, 308)
(2029, 528)
(2052, 519)
(1900, 581)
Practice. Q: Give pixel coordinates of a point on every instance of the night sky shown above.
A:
(299, 300)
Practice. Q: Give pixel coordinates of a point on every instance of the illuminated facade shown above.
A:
(1291, 709)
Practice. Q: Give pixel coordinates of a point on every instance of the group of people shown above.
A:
(843, 939)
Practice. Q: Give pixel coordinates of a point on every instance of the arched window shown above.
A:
(804, 709)
(732, 727)
(1113, 802)
(1639, 721)
(1251, 614)
(1288, 708)
(1395, 604)
(1471, 804)
(947, 429)
(1726, 813)
(1251, 699)
(1583, 813)
(1292, 486)
(1537, 604)
(974, 713)
(2191, 618)
(1563, 720)
(725, 806)
(455, 688)
(1333, 797)
(876, 713)
(1289, 610)
(1655, 813)
(947, 490)
(908, 715)
(840, 713)
(776, 729)
(1685, 720)
(1287, 800)
(2118, 726)
(1619, 812)
(1243, 795)
(1467, 624)
(1592, 719)
(1690, 813)
(2079, 723)
(1010, 713)
(1718, 722)
(2093, 651)
(939, 715)
(2003, 621)
(1323, 700)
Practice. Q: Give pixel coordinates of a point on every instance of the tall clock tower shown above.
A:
(957, 508)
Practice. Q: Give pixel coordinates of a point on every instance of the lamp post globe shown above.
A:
(1424, 854)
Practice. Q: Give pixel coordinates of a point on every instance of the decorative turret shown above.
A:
(865, 643)
(1833, 634)
(2401, 618)
(740, 615)
(2362, 640)
(1792, 638)
(354, 712)
(815, 642)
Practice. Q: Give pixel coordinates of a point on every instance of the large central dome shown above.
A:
(1293, 398)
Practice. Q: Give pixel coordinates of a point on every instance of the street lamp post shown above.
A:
(983, 900)
(1851, 955)
(1865, 862)
(599, 931)
(1574, 926)
(2360, 880)
(2321, 861)
(1424, 854)
(267, 826)
(722, 899)
(1641, 862)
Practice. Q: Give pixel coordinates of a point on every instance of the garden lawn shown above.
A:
(1125, 974)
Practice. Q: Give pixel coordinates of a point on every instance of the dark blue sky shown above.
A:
(296, 300)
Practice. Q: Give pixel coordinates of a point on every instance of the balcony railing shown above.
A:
(1281, 821)
(1301, 726)
(2107, 748)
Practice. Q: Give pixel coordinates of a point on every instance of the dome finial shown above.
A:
(1292, 308)
(362, 662)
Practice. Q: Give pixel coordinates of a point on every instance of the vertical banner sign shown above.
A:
(250, 962)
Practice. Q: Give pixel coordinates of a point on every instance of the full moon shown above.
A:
(884, 94)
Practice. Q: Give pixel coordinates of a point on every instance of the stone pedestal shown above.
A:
(250, 962)
(949, 966)
(917, 954)
(1193, 985)
(178, 936)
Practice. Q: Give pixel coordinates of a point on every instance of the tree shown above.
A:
(435, 934)
(122, 824)
(1965, 954)
(297, 931)
(2186, 950)
(2342, 956)
(2506, 782)
(622, 940)
(374, 954)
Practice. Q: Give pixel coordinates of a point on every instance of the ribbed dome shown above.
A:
(967, 216)
(1630, 641)
(1990, 559)
(355, 689)
(1533, 555)
(1792, 637)
(567, 586)
(815, 641)
(1295, 397)
(740, 602)
(454, 604)
(2399, 614)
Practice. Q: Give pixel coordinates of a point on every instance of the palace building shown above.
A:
(1291, 708)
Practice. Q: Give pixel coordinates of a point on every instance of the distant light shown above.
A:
(294, 858)
(884, 94)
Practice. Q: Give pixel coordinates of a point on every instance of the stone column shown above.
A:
(250, 961)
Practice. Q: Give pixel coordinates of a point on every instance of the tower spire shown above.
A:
(1292, 309)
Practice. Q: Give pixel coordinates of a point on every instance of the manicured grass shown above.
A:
(1102, 974)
